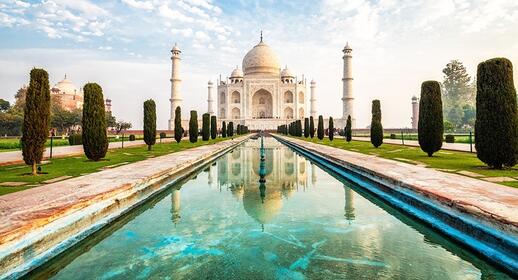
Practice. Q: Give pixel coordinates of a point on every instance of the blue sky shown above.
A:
(124, 46)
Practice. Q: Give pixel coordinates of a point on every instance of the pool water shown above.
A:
(302, 223)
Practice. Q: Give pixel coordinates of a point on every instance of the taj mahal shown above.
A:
(260, 94)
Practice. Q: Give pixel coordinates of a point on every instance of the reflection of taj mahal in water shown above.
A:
(286, 173)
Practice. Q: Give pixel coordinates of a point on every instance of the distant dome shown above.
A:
(65, 86)
(261, 60)
(286, 73)
(237, 73)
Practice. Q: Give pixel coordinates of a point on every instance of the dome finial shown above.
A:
(65, 75)
(261, 36)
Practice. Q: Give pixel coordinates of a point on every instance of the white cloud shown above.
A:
(185, 32)
(174, 15)
(201, 36)
(144, 5)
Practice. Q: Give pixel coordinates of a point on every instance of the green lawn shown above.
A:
(459, 138)
(453, 161)
(13, 144)
(80, 165)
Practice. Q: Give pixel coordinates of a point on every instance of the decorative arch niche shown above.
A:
(262, 104)
(236, 97)
(288, 97)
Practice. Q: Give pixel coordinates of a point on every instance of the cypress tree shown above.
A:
(230, 129)
(299, 128)
(238, 129)
(213, 127)
(348, 129)
(193, 127)
(331, 129)
(496, 138)
(311, 127)
(223, 129)
(430, 126)
(149, 123)
(205, 127)
(95, 138)
(320, 129)
(376, 127)
(306, 127)
(36, 118)
(178, 129)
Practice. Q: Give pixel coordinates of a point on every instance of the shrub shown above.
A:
(149, 123)
(230, 129)
(376, 127)
(132, 137)
(311, 127)
(36, 118)
(449, 138)
(306, 127)
(205, 127)
(320, 129)
(213, 127)
(392, 136)
(163, 135)
(331, 129)
(496, 139)
(95, 138)
(193, 127)
(178, 129)
(430, 126)
(348, 129)
(75, 139)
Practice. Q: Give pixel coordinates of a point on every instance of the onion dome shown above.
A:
(65, 86)
(261, 59)
(286, 73)
(237, 73)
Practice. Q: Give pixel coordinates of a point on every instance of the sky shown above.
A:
(125, 45)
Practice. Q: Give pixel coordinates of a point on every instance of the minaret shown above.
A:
(313, 100)
(348, 98)
(176, 97)
(210, 101)
(415, 112)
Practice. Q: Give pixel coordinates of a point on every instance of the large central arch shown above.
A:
(262, 104)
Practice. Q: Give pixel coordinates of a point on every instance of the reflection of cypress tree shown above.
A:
(349, 203)
(175, 206)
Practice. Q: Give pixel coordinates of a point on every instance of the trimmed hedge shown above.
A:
(213, 127)
(392, 136)
(348, 129)
(193, 127)
(95, 137)
(75, 139)
(449, 138)
(320, 129)
(132, 137)
(496, 139)
(36, 120)
(430, 126)
(149, 123)
(205, 127)
(376, 126)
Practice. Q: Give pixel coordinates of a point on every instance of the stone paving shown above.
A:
(15, 157)
(30, 213)
(486, 200)
(462, 147)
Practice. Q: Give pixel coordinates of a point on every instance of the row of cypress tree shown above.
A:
(209, 128)
(295, 128)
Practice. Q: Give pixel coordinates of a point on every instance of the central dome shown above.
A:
(261, 60)
(66, 86)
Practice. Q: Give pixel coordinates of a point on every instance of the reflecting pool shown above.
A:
(300, 222)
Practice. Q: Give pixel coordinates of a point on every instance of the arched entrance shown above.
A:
(262, 104)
